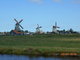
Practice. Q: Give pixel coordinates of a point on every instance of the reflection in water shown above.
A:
(14, 57)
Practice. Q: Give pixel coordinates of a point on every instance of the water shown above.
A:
(15, 57)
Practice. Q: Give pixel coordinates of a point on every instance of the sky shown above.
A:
(43, 12)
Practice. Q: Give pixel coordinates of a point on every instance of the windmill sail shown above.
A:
(21, 26)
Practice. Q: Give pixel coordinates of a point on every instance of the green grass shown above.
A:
(54, 43)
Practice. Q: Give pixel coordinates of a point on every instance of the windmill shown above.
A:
(54, 28)
(18, 27)
(38, 29)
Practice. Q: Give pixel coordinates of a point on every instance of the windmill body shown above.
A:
(54, 28)
(17, 28)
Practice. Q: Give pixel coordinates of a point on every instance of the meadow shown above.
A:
(40, 44)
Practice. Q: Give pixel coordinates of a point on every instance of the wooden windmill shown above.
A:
(38, 30)
(18, 27)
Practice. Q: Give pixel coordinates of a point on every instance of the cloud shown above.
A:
(36, 1)
(76, 1)
(67, 1)
(57, 1)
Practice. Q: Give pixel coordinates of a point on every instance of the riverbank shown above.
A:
(37, 52)
(41, 45)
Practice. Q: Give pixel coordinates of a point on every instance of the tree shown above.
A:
(71, 30)
(26, 31)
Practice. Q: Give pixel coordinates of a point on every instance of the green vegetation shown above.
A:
(40, 44)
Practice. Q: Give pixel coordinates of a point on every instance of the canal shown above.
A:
(16, 57)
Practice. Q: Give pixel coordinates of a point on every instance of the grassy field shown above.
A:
(48, 43)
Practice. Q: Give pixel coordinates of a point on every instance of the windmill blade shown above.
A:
(37, 25)
(58, 27)
(20, 26)
(15, 20)
(20, 20)
(55, 23)
(40, 27)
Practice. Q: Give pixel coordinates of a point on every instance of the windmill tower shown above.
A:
(54, 28)
(18, 27)
(38, 30)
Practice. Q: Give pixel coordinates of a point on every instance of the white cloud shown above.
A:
(67, 1)
(57, 0)
(76, 1)
(36, 1)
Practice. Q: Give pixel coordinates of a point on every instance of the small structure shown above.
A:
(2, 33)
(38, 29)
(18, 28)
(54, 28)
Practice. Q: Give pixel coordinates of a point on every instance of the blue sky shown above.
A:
(43, 12)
